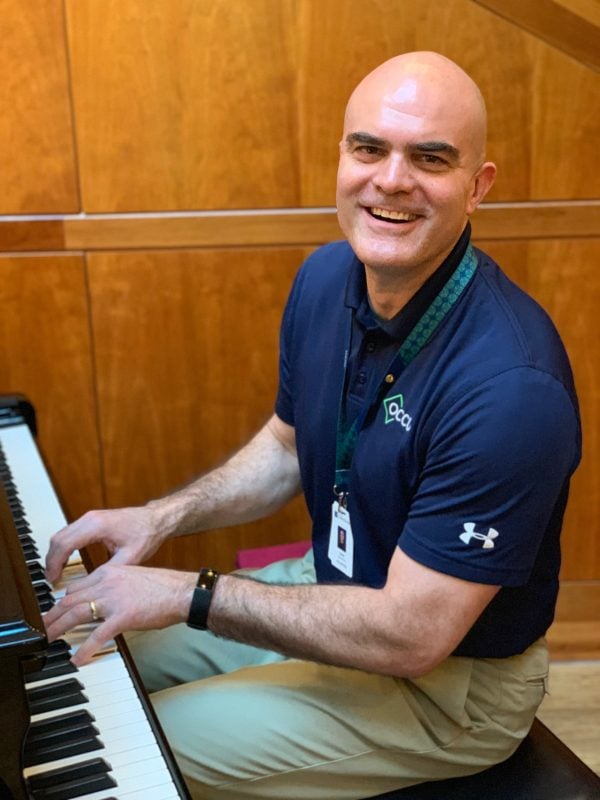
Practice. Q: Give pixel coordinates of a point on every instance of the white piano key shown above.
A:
(42, 509)
(126, 710)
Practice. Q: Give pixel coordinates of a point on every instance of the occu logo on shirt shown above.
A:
(394, 411)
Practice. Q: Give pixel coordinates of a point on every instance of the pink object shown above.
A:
(261, 556)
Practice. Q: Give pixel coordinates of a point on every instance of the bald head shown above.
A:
(412, 167)
(426, 83)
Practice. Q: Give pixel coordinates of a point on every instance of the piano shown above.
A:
(66, 732)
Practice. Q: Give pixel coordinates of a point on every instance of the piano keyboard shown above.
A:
(93, 734)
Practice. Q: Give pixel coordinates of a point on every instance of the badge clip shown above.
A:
(341, 496)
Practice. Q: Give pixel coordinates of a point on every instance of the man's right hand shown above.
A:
(129, 534)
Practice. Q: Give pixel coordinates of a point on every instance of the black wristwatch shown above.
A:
(201, 599)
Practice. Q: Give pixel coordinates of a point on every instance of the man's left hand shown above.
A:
(123, 598)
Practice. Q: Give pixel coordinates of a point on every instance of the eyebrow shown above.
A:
(360, 137)
(437, 147)
(365, 138)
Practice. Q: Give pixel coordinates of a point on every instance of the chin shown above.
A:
(385, 258)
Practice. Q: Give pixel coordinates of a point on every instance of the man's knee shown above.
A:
(220, 729)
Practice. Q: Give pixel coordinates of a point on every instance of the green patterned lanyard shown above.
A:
(410, 348)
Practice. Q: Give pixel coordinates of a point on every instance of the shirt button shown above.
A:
(371, 346)
(362, 377)
(389, 378)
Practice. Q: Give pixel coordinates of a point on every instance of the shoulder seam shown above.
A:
(516, 328)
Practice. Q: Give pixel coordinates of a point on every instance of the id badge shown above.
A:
(341, 541)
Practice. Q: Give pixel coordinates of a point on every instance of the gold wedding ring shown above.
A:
(94, 610)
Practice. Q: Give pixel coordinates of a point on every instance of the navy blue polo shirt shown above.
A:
(465, 461)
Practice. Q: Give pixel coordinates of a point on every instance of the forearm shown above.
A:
(403, 629)
(256, 481)
(341, 625)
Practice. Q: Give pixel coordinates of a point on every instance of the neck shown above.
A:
(389, 293)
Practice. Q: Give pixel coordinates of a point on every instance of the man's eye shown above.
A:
(367, 152)
(431, 160)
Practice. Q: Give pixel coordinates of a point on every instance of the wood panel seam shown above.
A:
(282, 227)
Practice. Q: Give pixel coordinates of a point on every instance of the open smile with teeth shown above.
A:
(391, 216)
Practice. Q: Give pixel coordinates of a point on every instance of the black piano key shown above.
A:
(36, 573)
(61, 694)
(59, 650)
(44, 596)
(70, 772)
(15, 506)
(25, 537)
(65, 723)
(73, 781)
(58, 647)
(53, 668)
(75, 789)
(42, 589)
(53, 750)
(62, 652)
(43, 593)
(30, 551)
(60, 687)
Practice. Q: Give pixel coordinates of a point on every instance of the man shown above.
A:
(426, 410)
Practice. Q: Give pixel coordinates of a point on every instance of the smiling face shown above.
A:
(412, 165)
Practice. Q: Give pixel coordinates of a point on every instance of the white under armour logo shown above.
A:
(471, 533)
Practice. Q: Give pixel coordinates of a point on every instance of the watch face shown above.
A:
(207, 578)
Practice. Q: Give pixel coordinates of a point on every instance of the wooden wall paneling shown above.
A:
(328, 75)
(579, 600)
(575, 633)
(541, 103)
(567, 26)
(186, 353)
(20, 235)
(38, 172)
(183, 104)
(212, 229)
(534, 220)
(45, 354)
(562, 275)
(588, 10)
(565, 127)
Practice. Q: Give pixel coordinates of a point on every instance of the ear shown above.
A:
(482, 183)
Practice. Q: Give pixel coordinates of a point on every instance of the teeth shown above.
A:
(382, 212)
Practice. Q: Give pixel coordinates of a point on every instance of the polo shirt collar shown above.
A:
(401, 324)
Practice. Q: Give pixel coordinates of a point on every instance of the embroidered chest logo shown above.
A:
(470, 533)
(394, 411)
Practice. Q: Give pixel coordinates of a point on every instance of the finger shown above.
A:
(85, 530)
(94, 643)
(65, 616)
(62, 545)
(57, 556)
(85, 583)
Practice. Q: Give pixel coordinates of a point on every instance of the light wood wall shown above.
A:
(169, 163)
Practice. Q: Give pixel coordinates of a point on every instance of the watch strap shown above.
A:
(201, 599)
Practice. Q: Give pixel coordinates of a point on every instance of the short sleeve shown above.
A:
(496, 464)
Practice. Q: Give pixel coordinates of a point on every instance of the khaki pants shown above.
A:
(248, 723)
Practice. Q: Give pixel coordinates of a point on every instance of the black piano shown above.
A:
(65, 732)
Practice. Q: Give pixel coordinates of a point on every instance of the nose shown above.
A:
(394, 175)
